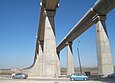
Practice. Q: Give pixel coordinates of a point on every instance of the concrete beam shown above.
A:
(50, 4)
(103, 7)
(78, 29)
(40, 35)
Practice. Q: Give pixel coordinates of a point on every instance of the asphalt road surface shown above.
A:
(48, 80)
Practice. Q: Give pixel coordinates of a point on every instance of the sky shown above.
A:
(19, 26)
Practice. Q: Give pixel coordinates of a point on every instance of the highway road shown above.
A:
(48, 80)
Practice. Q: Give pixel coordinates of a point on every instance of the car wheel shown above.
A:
(109, 76)
(21, 77)
(85, 78)
(72, 79)
(25, 77)
(13, 77)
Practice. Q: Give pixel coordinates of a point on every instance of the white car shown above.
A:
(19, 76)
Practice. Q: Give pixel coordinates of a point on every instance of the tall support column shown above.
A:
(70, 61)
(105, 66)
(51, 63)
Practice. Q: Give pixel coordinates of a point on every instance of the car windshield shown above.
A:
(18, 74)
(77, 74)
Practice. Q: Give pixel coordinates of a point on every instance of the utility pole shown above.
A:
(79, 57)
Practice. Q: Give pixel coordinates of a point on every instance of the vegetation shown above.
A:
(6, 72)
(92, 70)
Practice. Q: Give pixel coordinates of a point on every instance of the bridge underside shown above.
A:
(46, 62)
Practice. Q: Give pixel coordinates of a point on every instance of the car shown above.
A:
(78, 77)
(111, 75)
(19, 76)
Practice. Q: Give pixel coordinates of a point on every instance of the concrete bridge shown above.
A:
(46, 61)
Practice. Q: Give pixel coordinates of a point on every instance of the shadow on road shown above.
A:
(105, 79)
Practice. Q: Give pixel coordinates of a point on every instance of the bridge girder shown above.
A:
(101, 7)
(50, 4)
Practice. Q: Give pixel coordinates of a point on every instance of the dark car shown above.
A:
(78, 77)
(19, 76)
(111, 75)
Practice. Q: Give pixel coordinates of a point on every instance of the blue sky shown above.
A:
(19, 24)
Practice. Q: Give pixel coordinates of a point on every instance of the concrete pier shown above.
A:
(46, 61)
(51, 65)
(105, 66)
(70, 61)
